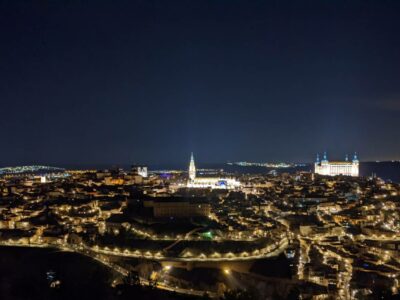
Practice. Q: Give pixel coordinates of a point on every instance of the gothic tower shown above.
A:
(192, 168)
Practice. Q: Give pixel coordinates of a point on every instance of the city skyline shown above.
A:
(192, 150)
(183, 161)
(145, 82)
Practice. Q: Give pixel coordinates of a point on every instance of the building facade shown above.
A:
(140, 170)
(180, 208)
(334, 168)
(209, 182)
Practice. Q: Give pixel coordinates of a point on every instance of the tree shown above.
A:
(239, 295)
(132, 278)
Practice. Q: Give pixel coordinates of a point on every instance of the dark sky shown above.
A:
(84, 82)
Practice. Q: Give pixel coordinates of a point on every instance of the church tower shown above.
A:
(192, 168)
(355, 165)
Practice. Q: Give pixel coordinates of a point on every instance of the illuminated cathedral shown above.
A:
(333, 168)
(209, 182)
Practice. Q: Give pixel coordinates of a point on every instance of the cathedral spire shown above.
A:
(192, 168)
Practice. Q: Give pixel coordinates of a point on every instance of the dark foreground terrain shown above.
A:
(23, 276)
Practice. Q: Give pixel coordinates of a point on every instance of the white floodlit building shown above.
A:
(140, 170)
(333, 168)
(209, 182)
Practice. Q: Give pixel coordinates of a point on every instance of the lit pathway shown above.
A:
(94, 254)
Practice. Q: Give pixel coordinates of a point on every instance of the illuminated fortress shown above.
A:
(333, 168)
(209, 182)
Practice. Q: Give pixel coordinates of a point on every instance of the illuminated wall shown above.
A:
(337, 168)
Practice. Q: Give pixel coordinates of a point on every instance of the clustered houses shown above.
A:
(34, 210)
(347, 230)
(343, 231)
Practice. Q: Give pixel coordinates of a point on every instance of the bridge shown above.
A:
(239, 262)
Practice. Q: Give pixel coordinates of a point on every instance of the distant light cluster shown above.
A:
(28, 169)
(280, 165)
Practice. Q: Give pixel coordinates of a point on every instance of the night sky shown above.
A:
(88, 82)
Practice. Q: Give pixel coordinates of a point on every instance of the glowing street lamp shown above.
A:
(167, 268)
